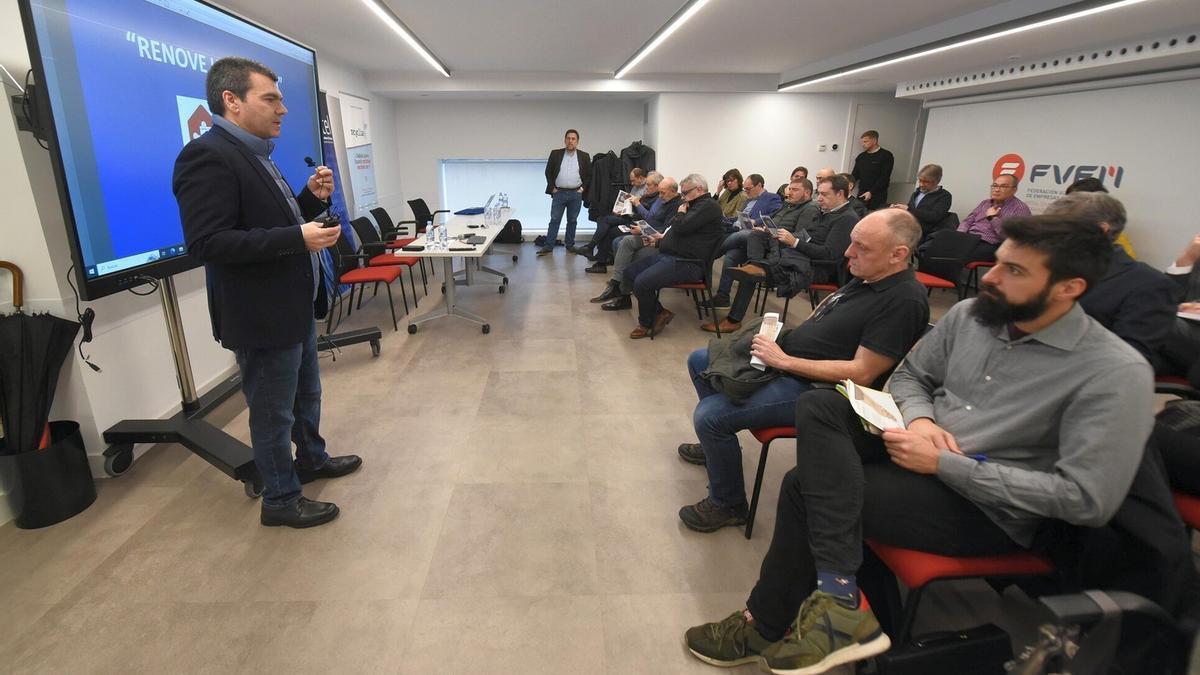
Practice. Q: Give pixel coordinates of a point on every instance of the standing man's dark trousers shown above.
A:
(845, 488)
(282, 386)
(648, 275)
(563, 200)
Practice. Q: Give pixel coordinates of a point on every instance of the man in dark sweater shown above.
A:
(690, 236)
(1133, 300)
(860, 333)
(873, 170)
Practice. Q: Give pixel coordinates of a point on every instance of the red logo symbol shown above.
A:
(1009, 165)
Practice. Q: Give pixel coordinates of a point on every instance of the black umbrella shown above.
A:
(32, 351)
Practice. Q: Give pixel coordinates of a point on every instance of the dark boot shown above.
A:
(611, 290)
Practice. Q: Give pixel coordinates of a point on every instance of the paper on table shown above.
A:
(876, 408)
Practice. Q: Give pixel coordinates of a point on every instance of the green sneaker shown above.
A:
(826, 635)
(731, 642)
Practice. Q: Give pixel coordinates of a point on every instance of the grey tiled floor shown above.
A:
(515, 514)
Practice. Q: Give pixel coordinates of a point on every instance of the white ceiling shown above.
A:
(549, 48)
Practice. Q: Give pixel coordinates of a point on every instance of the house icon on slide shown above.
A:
(199, 122)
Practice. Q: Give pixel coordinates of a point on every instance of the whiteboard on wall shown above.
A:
(1139, 140)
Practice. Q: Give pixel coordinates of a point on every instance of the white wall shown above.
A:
(1147, 130)
(131, 346)
(430, 131)
(769, 133)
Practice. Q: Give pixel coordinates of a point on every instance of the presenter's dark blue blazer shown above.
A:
(260, 278)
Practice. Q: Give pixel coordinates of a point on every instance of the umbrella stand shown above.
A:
(187, 427)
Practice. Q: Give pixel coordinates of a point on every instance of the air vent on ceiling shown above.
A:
(1021, 73)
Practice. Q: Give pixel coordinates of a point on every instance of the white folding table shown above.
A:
(471, 255)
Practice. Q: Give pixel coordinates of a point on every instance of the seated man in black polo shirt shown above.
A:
(859, 333)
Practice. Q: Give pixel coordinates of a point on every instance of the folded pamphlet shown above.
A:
(877, 409)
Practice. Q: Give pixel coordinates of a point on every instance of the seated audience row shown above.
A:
(976, 470)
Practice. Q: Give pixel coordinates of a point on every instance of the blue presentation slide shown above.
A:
(126, 81)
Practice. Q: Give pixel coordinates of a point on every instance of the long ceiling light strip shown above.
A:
(385, 15)
(686, 12)
(789, 86)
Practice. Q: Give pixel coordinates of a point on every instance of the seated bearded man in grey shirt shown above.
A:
(1019, 409)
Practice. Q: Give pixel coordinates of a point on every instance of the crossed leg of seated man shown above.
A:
(805, 613)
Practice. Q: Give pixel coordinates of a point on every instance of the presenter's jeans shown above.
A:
(844, 489)
(717, 421)
(563, 200)
(282, 386)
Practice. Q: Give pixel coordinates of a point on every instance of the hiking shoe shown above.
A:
(731, 642)
(826, 634)
(692, 453)
(705, 516)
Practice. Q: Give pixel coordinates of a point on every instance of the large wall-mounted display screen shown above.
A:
(124, 83)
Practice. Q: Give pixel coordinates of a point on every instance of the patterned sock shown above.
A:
(843, 587)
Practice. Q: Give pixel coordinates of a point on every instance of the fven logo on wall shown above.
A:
(1013, 164)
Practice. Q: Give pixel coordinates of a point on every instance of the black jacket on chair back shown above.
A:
(235, 220)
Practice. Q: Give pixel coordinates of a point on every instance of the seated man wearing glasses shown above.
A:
(991, 213)
(683, 250)
(859, 333)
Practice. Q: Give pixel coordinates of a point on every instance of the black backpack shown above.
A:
(511, 234)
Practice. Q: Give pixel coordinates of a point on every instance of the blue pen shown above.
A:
(978, 457)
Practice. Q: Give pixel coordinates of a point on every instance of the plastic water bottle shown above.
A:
(443, 238)
(430, 236)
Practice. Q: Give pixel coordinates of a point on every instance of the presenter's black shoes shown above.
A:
(612, 290)
(301, 513)
(692, 453)
(705, 516)
(334, 468)
(597, 268)
(619, 303)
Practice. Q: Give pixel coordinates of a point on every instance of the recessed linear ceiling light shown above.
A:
(981, 36)
(686, 12)
(385, 15)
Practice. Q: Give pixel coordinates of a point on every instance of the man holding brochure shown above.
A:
(1018, 408)
(858, 333)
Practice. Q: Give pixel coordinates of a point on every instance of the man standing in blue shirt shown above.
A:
(568, 171)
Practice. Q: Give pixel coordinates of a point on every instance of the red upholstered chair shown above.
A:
(931, 282)
(390, 233)
(814, 289)
(918, 569)
(378, 254)
(764, 436)
(973, 276)
(1189, 508)
(346, 263)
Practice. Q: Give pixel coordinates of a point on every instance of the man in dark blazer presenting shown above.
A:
(568, 171)
(264, 280)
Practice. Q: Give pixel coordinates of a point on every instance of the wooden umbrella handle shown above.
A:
(18, 283)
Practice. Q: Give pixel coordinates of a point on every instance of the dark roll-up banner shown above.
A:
(338, 207)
